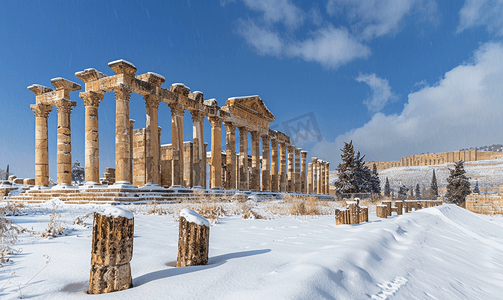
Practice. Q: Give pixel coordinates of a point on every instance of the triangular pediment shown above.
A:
(251, 103)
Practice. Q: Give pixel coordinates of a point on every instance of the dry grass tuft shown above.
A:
(9, 231)
(55, 227)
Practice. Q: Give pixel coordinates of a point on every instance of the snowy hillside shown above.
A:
(489, 173)
(437, 253)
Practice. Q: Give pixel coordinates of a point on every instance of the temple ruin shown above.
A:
(144, 168)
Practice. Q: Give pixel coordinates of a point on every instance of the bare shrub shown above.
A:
(81, 220)
(8, 235)
(55, 227)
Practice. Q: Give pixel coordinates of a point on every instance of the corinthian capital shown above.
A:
(91, 98)
(41, 110)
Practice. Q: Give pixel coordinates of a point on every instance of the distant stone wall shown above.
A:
(437, 158)
(485, 204)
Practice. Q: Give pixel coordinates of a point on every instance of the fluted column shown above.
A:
(64, 154)
(131, 136)
(327, 178)
(282, 168)
(92, 143)
(322, 177)
(297, 170)
(266, 164)
(216, 151)
(122, 141)
(177, 168)
(152, 140)
(274, 165)
(41, 143)
(255, 168)
(318, 177)
(199, 165)
(310, 179)
(291, 165)
(315, 175)
(230, 146)
(303, 173)
(243, 159)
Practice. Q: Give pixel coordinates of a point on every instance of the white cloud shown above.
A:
(381, 91)
(464, 109)
(375, 18)
(476, 13)
(278, 11)
(265, 41)
(330, 47)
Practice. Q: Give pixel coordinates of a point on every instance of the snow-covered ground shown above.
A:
(444, 252)
(489, 173)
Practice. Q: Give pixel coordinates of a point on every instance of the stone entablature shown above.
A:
(141, 160)
(437, 158)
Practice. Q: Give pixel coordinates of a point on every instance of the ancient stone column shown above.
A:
(291, 175)
(255, 169)
(322, 177)
(131, 135)
(230, 145)
(177, 168)
(216, 151)
(318, 177)
(193, 240)
(310, 178)
(266, 164)
(315, 175)
(243, 159)
(199, 168)
(152, 140)
(112, 250)
(303, 173)
(92, 146)
(64, 154)
(364, 214)
(388, 207)
(297, 170)
(122, 141)
(327, 178)
(41, 143)
(274, 166)
(282, 167)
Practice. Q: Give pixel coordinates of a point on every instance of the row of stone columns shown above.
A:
(318, 177)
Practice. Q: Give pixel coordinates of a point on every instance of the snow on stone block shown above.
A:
(193, 217)
(117, 212)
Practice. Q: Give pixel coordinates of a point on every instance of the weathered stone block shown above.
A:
(193, 240)
(382, 211)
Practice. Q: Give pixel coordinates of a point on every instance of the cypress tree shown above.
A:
(387, 188)
(346, 169)
(418, 191)
(458, 184)
(434, 186)
(476, 189)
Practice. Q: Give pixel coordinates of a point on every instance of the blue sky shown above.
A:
(398, 77)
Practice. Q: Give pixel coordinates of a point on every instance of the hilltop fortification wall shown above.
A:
(437, 158)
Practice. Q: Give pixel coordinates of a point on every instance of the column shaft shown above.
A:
(274, 166)
(216, 151)
(199, 156)
(310, 179)
(327, 178)
(243, 159)
(291, 165)
(322, 178)
(297, 170)
(231, 180)
(92, 143)
(64, 154)
(315, 175)
(152, 140)
(131, 136)
(303, 173)
(122, 142)
(177, 168)
(266, 164)
(255, 170)
(41, 143)
(282, 167)
(318, 177)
